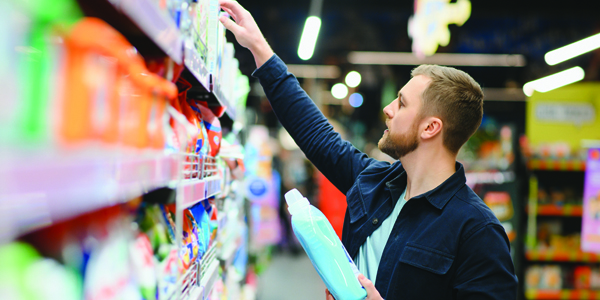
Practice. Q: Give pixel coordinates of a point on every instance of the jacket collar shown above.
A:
(439, 196)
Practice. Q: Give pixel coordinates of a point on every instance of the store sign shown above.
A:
(574, 113)
(428, 27)
(590, 229)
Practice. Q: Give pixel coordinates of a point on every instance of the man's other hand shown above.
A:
(372, 293)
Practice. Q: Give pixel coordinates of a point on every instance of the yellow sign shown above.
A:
(568, 114)
(428, 27)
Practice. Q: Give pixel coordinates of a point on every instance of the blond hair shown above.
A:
(454, 97)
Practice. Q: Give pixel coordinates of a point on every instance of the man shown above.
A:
(413, 227)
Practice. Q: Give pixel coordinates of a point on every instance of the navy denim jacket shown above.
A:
(446, 243)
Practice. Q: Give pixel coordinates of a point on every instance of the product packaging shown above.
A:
(200, 26)
(144, 266)
(324, 248)
(37, 27)
(203, 227)
(212, 125)
(154, 224)
(190, 247)
(26, 275)
(212, 40)
(108, 274)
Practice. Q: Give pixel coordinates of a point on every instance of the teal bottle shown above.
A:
(324, 248)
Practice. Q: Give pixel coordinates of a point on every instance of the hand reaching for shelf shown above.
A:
(246, 32)
(372, 293)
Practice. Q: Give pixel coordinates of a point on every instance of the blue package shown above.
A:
(199, 213)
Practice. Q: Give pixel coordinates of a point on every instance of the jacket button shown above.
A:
(375, 221)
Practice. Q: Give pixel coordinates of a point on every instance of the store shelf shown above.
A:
(556, 164)
(209, 271)
(194, 63)
(562, 256)
(489, 177)
(195, 190)
(206, 284)
(36, 192)
(188, 283)
(206, 271)
(223, 101)
(562, 294)
(564, 210)
(156, 24)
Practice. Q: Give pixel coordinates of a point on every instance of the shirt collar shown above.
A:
(439, 196)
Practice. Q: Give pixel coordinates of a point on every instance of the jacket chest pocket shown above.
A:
(423, 273)
(428, 259)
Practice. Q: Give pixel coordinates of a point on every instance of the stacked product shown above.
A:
(78, 89)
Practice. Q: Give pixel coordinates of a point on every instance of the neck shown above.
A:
(427, 168)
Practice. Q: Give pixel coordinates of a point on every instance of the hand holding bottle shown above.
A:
(372, 293)
(246, 31)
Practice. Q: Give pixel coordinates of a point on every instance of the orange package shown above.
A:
(90, 74)
(164, 91)
(109, 93)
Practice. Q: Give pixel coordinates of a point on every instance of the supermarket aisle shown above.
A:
(291, 278)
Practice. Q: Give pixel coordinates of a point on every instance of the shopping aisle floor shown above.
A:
(290, 277)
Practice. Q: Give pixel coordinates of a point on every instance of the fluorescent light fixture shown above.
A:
(554, 81)
(356, 100)
(314, 71)
(339, 91)
(309, 37)
(447, 59)
(353, 79)
(572, 50)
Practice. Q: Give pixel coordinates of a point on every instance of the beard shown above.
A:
(399, 146)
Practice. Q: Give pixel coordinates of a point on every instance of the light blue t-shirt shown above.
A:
(370, 252)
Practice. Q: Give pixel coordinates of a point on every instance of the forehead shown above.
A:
(414, 88)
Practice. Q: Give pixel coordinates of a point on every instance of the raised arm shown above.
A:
(337, 159)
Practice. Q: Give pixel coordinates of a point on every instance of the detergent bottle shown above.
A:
(324, 248)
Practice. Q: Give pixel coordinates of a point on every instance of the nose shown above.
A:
(388, 110)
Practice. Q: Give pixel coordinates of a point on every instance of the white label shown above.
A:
(574, 113)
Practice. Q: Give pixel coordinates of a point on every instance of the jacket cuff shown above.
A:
(270, 71)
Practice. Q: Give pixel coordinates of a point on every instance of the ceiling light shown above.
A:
(356, 100)
(554, 81)
(572, 50)
(353, 79)
(339, 91)
(309, 37)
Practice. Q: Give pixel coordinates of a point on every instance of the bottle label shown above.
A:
(352, 264)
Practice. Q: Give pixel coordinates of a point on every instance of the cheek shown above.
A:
(398, 125)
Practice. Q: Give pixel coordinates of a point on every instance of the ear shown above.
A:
(433, 127)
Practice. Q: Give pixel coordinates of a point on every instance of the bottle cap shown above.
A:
(295, 200)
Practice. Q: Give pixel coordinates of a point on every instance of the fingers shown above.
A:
(372, 292)
(235, 8)
(230, 13)
(230, 25)
(328, 295)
